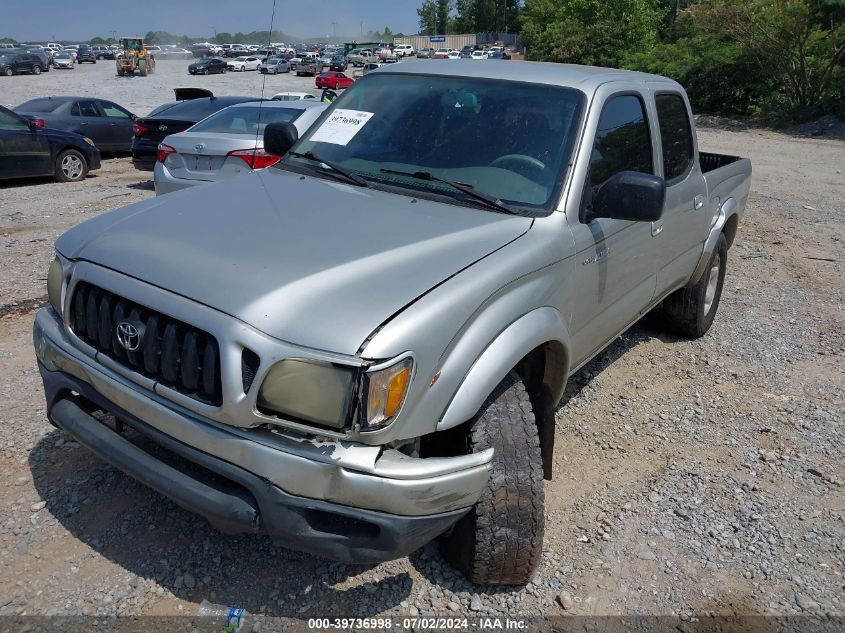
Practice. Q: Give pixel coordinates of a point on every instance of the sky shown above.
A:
(49, 20)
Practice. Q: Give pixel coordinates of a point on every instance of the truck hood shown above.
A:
(310, 261)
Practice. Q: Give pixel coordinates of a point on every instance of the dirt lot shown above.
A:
(690, 477)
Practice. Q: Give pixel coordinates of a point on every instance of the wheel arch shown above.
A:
(537, 346)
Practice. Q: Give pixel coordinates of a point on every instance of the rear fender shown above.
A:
(727, 210)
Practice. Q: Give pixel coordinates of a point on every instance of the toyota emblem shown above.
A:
(200, 148)
(128, 336)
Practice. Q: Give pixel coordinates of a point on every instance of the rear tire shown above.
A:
(36, 70)
(690, 311)
(8, 72)
(71, 166)
(500, 540)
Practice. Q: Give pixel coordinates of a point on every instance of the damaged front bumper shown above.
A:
(344, 500)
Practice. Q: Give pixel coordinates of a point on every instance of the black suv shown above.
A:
(339, 63)
(86, 54)
(13, 63)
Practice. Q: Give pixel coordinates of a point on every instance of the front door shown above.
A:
(23, 151)
(614, 268)
(119, 126)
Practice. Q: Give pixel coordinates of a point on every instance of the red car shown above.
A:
(333, 80)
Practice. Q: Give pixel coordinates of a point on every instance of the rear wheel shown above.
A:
(690, 311)
(36, 70)
(8, 71)
(71, 166)
(500, 540)
(205, 72)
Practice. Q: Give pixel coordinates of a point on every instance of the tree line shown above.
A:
(782, 58)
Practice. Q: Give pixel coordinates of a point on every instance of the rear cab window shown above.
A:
(675, 136)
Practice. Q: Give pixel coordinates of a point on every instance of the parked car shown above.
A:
(359, 369)
(310, 65)
(387, 56)
(106, 123)
(293, 96)
(358, 57)
(338, 63)
(14, 63)
(171, 118)
(102, 52)
(368, 68)
(44, 54)
(478, 54)
(404, 50)
(441, 53)
(498, 55)
(86, 54)
(208, 66)
(174, 52)
(244, 62)
(27, 150)
(425, 53)
(453, 55)
(466, 52)
(274, 66)
(333, 80)
(64, 59)
(227, 143)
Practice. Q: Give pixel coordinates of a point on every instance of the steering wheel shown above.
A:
(520, 163)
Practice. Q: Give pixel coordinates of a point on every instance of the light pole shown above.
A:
(334, 29)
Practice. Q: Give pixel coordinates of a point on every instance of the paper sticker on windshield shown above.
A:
(341, 127)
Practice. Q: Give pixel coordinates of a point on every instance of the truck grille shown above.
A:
(171, 352)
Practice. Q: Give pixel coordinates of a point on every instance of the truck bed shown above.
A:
(710, 162)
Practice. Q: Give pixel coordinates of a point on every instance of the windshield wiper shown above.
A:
(357, 180)
(488, 200)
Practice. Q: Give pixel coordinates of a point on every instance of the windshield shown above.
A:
(245, 120)
(509, 140)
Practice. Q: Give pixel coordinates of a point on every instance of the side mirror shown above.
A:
(630, 195)
(279, 138)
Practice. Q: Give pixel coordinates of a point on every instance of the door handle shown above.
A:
(83, 123)
(699, 201)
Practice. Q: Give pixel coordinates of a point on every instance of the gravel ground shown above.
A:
(691, 478)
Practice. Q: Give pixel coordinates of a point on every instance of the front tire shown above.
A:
(500, 540)
(690, 311)
(36, 70)
(71, 166)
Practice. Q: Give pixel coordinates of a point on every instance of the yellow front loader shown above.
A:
(134, 58)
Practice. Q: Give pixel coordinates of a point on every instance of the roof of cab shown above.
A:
(586, 78)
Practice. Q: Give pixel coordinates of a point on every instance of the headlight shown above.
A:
(88, 140)
(320, 393)
(54, 285)
(385, 390)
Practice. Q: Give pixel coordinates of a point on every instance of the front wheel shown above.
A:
(71, 166)
(8, 72)
(500, 540)
(690, 311)
(36, 70)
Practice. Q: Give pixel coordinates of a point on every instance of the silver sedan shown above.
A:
(227, 143)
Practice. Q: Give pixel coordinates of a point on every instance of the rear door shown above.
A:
(615, 268)
(89, 120)
(23, 151)
(119, 128)
(685, 224)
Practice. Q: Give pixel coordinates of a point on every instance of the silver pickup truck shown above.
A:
(362, 348)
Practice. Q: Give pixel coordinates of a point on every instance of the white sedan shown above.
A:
(244, 62)
(453, 55)
(293, 96)
(478, 55)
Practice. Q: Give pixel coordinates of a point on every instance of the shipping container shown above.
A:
(437, 41)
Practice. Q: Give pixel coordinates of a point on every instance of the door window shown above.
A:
(622, 141)
(675, 135)
(85, 108)
(9, 121)
(114, 112)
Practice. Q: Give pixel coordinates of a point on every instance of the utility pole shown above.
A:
(334, 29)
